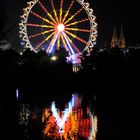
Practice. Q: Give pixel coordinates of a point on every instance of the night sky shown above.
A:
(108, 13)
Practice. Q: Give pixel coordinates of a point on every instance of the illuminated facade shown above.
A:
(120, 42)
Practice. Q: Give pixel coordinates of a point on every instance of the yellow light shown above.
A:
(53, 58)
(60, 27)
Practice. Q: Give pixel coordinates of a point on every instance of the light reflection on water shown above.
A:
(74, 121)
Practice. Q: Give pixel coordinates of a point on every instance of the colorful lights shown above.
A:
(70, 123)
(57, 26)
(61, 121)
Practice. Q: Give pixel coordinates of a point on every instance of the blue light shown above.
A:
(71, 50)
(61, 121)
(17, 94)
(50, 51)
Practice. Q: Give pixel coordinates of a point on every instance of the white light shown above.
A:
(61, 27)
(61, 121)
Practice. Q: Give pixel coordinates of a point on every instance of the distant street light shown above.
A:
(54, 58)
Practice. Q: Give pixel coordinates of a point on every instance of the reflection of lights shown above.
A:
(70, 123)
(95, 126)
(17, 94)
(93, 130)
(61, 121)
(24, 114)
(53, 58)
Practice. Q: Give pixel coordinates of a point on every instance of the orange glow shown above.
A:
(75, 125)
(78, 124)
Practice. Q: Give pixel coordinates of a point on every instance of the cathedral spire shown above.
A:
(114, 41)
(122, 43)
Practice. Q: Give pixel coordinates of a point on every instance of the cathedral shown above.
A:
(118, 41)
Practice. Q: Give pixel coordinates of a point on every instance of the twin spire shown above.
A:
(118, 42)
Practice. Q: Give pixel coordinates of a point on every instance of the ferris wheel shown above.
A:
(51, 25)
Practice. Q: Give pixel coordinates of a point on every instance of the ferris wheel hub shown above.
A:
(60, 27)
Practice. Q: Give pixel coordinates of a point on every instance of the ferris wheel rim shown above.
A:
(24, 20)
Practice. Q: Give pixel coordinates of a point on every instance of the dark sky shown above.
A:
(108, 13)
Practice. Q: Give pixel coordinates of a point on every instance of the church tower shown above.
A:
(122, 43)
(114, 41)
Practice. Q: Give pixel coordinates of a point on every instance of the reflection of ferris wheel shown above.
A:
(50, 25)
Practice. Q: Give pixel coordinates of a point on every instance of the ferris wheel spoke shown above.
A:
(77, 29)
(42, 18)
(61, 10)
(58, 42)
(51, 42)
(76, 37)
(51, 46)
(74, 46)
(45, 40)
(65, 16)
(46, 11)
(41, 33)
(64, 43)
(39, 25)
(68, 43)
(54, 11)
(77, 22)
(73, 15)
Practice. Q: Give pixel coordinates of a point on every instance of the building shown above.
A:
(118, 41)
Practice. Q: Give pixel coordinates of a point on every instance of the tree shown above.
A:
(5, 29)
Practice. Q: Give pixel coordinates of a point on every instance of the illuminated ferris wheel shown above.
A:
(51, 25)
